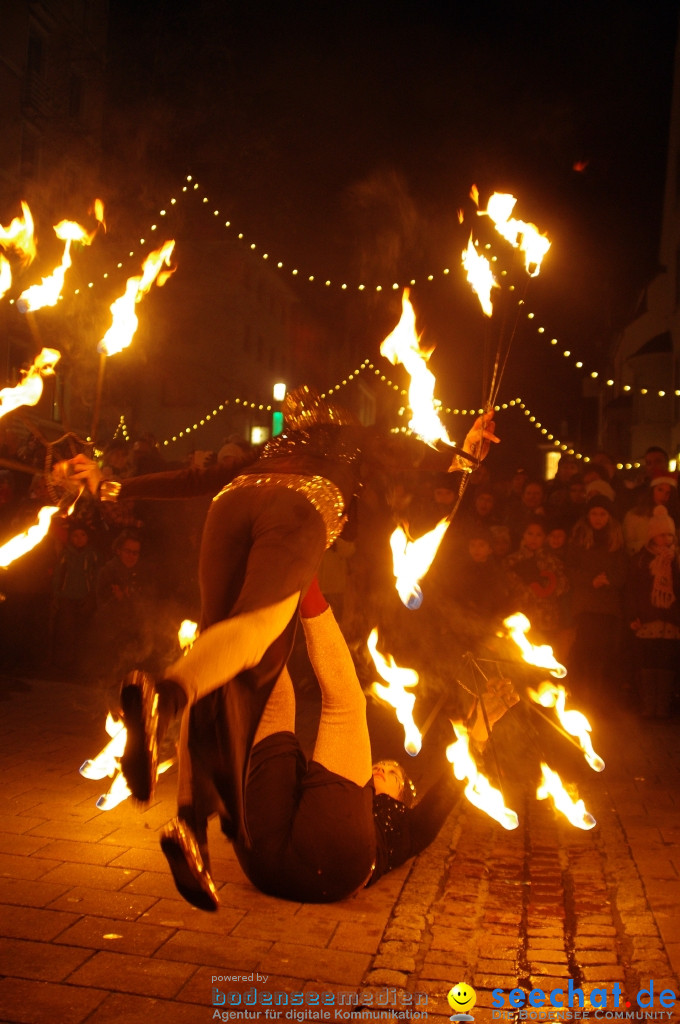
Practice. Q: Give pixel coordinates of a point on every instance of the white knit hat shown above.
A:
(660, 522)
(600, 487)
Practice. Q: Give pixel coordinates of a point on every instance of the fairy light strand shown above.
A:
(367, 365)
(192, 187)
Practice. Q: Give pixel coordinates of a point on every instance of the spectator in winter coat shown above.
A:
(653, 604)
(596, 569)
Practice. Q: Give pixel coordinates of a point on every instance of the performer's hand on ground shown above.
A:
(86, 470)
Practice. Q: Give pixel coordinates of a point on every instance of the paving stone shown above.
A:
(442, 972)
(178, 914)
(40, 961)
(395, 962)
(50, 827)
(314, 964)
(308, 931)
(394, 933)
(129, 1009)
(13, 866)
(80, 852)
(247, 897)
(593, 956)
(548, 967)
(142, 975)
(152, 883)
(358, 938)
(604, 974)
(32, 923)
(546, 955)
(27, 893)
(492, 981)
(89, 875)
(20, 844)
(115, 935)
(202, 948)
(385, 977)
(42, 1002)
(20, 824)
(101, 902)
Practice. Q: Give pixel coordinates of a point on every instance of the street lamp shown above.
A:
(279, 393)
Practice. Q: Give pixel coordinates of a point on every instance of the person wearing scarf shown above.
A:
(653, 603)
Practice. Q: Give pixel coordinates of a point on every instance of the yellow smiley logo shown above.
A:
(461, 997)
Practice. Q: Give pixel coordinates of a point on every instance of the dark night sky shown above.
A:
(344, 138)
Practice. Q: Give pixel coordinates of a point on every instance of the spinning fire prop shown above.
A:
(396, 693)
(478, 790)
(48, 291)
(19, 236)
(29, 390)
(571, 724)
(23, 542)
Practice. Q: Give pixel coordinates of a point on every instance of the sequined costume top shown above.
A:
(402, 832)
(327, 450)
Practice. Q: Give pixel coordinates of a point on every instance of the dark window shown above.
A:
(75, 97)
(30, 155)
(35, 55)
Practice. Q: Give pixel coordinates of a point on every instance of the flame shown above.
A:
(542, 656)
(396, 694)
(107, 763)
(411, 560)
(402, 346)
(186, 633)
(29, 389)
(479, 790)
(553, 695)
(480, 276)
(5, 276)
(48, 291)
(520, 234)
(573, 809)
(98, 212)
(19, 235)
(125, 321)
(29, 538)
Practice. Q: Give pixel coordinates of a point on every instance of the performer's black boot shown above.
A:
(186, 852)
(147, 707)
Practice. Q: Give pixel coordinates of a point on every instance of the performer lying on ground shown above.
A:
(322, 830)
(264, 537)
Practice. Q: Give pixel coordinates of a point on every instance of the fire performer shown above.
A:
(321, 830)
(264, 537)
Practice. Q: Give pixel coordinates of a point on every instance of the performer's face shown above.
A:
(388, 777)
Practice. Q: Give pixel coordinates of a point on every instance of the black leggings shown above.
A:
(312, 831)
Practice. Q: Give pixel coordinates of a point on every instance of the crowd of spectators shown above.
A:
(590, 558)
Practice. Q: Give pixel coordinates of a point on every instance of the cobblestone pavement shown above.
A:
(92, 929)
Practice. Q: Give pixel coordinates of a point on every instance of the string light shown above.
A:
(191, 187)
(122, 429)
(368, 365)
(594, 374)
